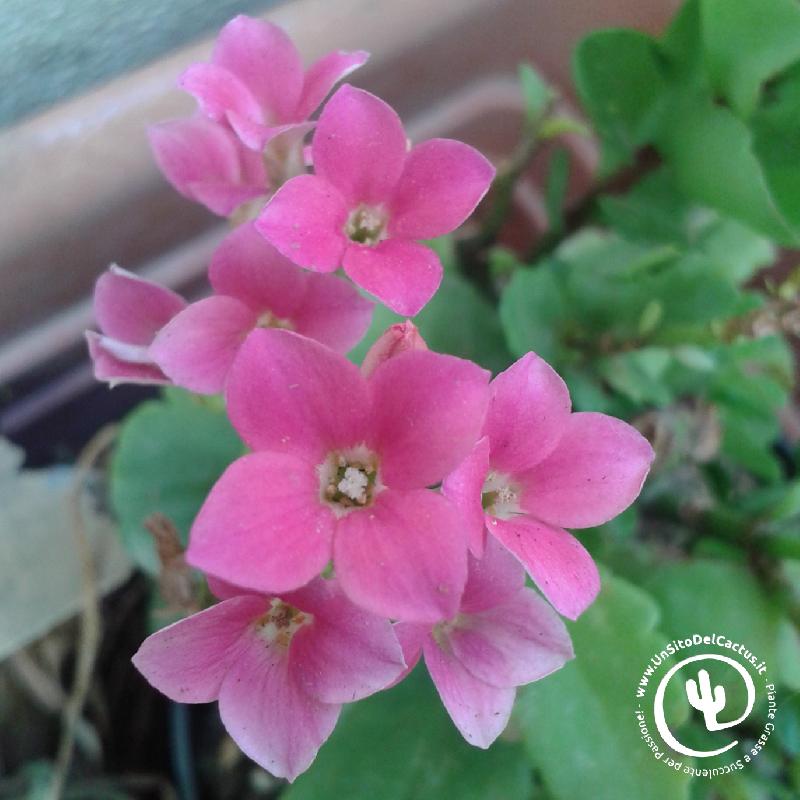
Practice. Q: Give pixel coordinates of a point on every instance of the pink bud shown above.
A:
(394, 340)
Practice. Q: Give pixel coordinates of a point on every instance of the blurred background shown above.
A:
(79, 190)
(82, 80)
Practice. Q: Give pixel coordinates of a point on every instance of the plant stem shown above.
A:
(90, 628)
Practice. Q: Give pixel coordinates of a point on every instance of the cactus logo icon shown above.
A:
(709, 702)
(709, 681)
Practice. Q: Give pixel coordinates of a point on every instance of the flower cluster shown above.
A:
(353, 537)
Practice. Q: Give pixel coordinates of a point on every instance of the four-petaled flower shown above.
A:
(504, 635)
(255, 286)
(371, 198)
(255, 82)
(340, 470)
(280, 667)
(539, 469)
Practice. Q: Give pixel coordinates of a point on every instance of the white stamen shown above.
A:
(354, 484)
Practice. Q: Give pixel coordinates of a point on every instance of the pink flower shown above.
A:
(371, 198)
(129, 311)
(539, 469)
(396, 339)
(255, 286)
(206, 163)
(340, 470)
(280, 668)
(503, 636)
(255, 82)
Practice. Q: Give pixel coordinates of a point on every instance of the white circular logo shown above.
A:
(700, 680)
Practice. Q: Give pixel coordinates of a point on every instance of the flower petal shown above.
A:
(305, 221)
(492, 580)
(111, 369)
(269, 715)
(359, 146)
(347, 653)
(595, 472)
(464, 486)
(333, 312)
(324, 74)
(132, 309)
(290, 394)
(529, 411)
(556, 560)
(479, 711)
(218, 91)
(246, 266)
(442, 182)
(402, 274)
(257, 136)
(205, 162)
(514, 643)
(411, 637)
(223, 590)
(266, 61)
(223, 198)
(404, 557)
(263, 527)
(197, 347)
(428, 410)
(188, 660)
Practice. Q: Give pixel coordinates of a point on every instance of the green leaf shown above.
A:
(655, 211)
(652, 212)
(751, 384)
(706, 596)
(638, 375)
(400, 744)
(788, 732)
(711, 152)
(537, 94)
(461, 322)
(619, 81)
(776, 141)
(169, 454)
(532, 310)
(578, 724)
(746, 43)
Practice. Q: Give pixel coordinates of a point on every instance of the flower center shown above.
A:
(500, 496)
(349, 479)
(281, 622)
(268, 320)
(366, 225)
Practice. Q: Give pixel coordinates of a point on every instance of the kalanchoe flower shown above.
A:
(340, 469)
(371, 199)
(539, 469)
(255, 286)
(396, 339)
(206, 163)
(256, 83)
(129, 311)
(503, 636)
(280, 667)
